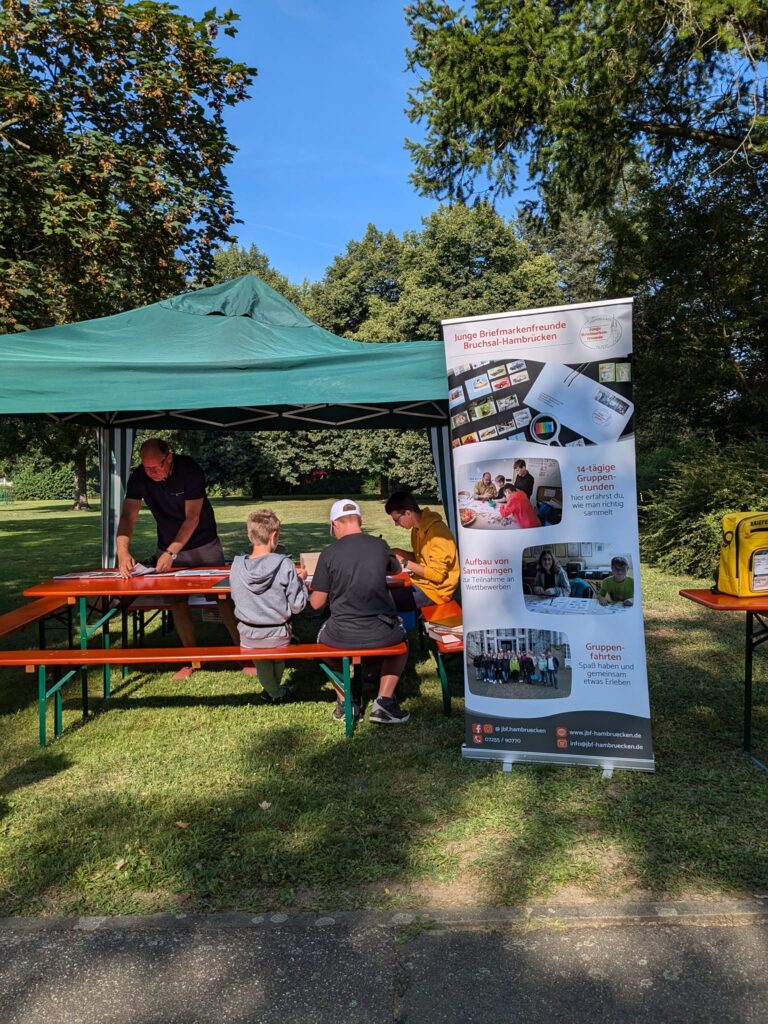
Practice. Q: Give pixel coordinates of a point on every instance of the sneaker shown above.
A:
(287, 695)
(338, 712)
(386, 711)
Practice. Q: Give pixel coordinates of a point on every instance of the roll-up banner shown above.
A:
(542, 435)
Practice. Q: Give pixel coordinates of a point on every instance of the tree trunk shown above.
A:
(383, 485)
(81, 487)
(256, 486)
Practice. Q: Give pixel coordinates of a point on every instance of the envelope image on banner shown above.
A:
(583, 405)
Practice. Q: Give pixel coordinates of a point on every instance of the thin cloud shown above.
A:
(290, 234)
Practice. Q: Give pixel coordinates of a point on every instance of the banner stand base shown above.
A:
(608, 764)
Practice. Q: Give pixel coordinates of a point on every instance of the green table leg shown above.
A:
(58, 704)
(83, 611)
(443, 679)
(41, 688)
(105, 645)
(349, 718)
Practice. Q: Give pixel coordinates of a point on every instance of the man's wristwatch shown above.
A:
(173, 554)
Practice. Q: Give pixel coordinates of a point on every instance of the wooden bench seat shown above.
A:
(35, 611)
(77, 659)
(447, 614)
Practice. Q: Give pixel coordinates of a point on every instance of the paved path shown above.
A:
(660, 963)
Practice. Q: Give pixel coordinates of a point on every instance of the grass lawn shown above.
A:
(195, 795)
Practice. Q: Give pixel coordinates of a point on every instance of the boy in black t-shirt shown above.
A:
(351, 577)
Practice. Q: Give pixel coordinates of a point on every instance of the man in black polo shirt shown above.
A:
(351, 579)
(173, 487)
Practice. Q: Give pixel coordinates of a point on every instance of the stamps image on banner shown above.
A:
(488, 434)
(501, 384)
(507, 402)
(461, 419)
(478, 386)
(469, 438)
(497, 371)
(522, 417)
(516, 366)
(483, 409)
(456, 396)
(583, 405)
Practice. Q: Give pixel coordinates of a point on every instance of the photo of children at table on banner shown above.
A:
(585, 578)
(509, 494)
(518, 663)
(559, 405)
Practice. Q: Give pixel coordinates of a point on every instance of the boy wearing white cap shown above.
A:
(351, 577)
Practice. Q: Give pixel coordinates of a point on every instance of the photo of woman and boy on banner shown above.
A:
(577, 579)
(549, 403)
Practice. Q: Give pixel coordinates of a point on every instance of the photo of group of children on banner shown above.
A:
(521, 663)
(549, 403)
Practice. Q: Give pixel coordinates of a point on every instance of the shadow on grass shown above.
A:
(396, 808)
(30, 772)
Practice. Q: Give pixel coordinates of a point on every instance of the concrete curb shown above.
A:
(741, 911)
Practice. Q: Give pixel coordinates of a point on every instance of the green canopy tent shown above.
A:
(238, 356)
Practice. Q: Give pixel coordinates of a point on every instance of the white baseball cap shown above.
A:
(344, 507)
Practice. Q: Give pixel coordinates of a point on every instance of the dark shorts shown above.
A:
(207, 554)
(380, 631)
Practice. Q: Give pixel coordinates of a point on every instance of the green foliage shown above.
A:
(368, 273)
(236, 260)
(700, 277)
(581, 90)
(47, 483)
(464, 261)
(701, 481)
(32, 447)
(113, 149)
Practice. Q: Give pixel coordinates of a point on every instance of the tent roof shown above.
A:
(236, 355)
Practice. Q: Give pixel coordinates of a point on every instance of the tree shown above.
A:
(698, 265)
(112, 184)
(367, 273)
(464, 262)
(582, 89)
(236, 260)
(644, 125)
(112, 157)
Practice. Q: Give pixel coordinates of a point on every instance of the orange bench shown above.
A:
(448, 615)
(350, 657)
(35, 611)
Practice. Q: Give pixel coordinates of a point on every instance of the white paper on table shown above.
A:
(104, 574)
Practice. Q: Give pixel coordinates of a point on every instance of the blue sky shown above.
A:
(321, 141)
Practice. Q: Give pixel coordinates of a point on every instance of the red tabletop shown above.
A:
(725, 602)
(158, 584)
(137, 586)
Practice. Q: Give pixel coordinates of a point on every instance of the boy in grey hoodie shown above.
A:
(267, 590)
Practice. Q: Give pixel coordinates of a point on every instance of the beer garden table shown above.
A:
(756, 633)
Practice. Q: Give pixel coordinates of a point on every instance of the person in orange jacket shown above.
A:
(433, 560)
